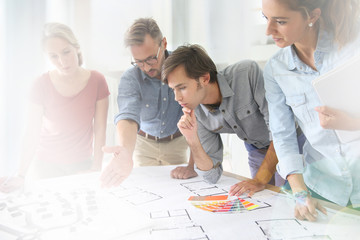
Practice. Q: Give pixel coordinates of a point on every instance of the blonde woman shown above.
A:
(67, 114)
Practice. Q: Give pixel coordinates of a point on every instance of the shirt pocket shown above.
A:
(247, 111)
(149, 108)
(299, 107)
(253, 123)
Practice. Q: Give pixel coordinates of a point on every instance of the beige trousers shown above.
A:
(148, 152)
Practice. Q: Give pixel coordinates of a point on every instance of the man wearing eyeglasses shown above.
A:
(148, 113)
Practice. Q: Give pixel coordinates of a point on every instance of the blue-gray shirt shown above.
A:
(243, 111)
(148, 102)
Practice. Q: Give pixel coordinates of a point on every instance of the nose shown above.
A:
(146, 67)
(269, 28)
(62, 60)
(177, 95)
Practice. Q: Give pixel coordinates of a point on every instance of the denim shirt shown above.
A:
(148, 102)
(243, 111)
(330, 168)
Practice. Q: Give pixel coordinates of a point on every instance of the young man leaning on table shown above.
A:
(230, 101)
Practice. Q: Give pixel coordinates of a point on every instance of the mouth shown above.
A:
(276, 39)
(151, 72)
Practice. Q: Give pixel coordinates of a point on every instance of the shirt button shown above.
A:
(223, 110)
(248, 112)
(164, 98)
(163, 123)
(161, 131)
(235, 126)
(245, 139)
(147, 105)
(163, 84)
(163, 112)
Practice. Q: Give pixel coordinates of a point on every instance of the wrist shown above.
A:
(301, 196)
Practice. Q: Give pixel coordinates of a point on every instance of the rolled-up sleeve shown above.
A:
(282, 126)
(128, 99)
(212, 144)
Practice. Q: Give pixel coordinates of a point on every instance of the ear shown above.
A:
(164, 42)
(205, 79)
(314, 15)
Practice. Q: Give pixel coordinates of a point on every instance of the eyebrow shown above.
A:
(280, 18)
(179, 85)
(276, 17)
(142, 60)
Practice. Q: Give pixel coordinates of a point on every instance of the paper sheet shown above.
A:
(151, 205)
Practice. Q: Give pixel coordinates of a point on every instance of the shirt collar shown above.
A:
(225, 91)
(324, 44)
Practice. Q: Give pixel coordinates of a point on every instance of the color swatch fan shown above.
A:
(222, 204)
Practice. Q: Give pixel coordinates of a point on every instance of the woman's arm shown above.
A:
(30, 142)
(100, 121)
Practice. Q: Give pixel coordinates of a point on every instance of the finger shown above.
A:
(237, 190)
(311, 206)
(186, 110)
(192, 115)
(105, 174)
(319, 109)
(172, 173)
(188, 122)
(252, 192)
(322, 209)
(234, 189)
(244, 189)
(180, 174)
(105, 179)
(298, 215)
(176, 173)
(311, 217)
(116, 180)
(182, 124)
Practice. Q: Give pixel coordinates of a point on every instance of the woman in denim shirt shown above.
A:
(315, 36)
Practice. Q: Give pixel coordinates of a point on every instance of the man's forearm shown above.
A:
(268, 166)
(127, 133)
(199, 156)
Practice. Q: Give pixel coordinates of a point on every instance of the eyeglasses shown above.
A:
(149, 61)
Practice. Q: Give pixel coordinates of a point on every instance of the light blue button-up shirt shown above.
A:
(148, 102)
(329, 167)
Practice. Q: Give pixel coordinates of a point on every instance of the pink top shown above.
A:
(67, 130)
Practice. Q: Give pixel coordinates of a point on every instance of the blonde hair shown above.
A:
(338, 16)
(60, 30)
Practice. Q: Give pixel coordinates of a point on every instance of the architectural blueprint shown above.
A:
(151, 205)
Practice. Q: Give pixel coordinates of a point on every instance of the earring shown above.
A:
(310, 24)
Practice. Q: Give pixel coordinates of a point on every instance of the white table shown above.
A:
(151, 205)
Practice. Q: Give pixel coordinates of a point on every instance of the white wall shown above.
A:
(230, 30)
